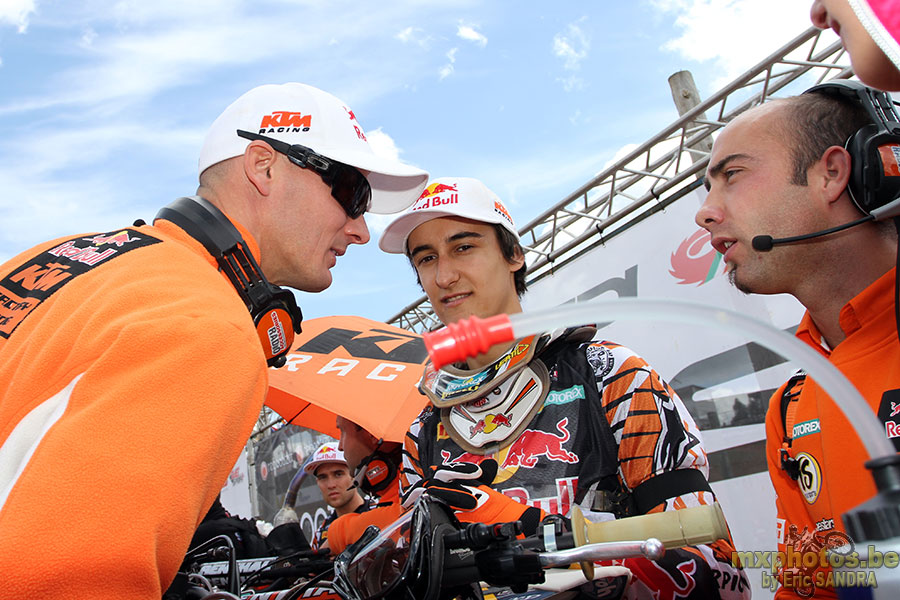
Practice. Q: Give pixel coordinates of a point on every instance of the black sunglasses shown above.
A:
(348, 186)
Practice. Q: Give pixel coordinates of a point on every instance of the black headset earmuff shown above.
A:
(874, 149)
(379, 470)
(274, 310)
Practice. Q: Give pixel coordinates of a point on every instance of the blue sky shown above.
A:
(104, 104)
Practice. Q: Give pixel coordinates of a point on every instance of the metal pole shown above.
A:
(686, 97)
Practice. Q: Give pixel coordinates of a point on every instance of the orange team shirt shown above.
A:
(346, 529)
(833, 479)
(130, 380)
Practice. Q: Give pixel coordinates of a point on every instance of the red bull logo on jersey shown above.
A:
(665, 587)
(88, 256)
(118, 239)
(559, 504)
(534, 444)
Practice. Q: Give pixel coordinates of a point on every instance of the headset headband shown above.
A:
(269, 304)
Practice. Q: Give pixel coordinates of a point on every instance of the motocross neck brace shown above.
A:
(490, 423)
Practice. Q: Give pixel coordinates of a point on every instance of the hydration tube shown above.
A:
(469, 337)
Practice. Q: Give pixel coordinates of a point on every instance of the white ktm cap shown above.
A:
(297, 113)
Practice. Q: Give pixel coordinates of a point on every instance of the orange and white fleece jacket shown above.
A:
(130, 378)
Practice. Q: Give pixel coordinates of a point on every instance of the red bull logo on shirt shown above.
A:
(533, 444)
(559, 504)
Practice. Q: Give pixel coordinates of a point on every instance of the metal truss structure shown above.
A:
(658, 171)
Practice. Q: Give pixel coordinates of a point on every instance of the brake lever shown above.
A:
(650, 548)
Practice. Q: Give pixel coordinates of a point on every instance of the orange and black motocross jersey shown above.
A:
(610, 433)
(831, 477)
(131, 376)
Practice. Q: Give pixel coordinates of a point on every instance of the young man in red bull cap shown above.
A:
(569, 420)
(869, 31)
(332, 475)
(133, 363)
(376, 464)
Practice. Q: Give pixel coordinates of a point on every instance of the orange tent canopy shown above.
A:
(363, 370)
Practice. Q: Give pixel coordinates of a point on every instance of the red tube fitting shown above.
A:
(467, 338)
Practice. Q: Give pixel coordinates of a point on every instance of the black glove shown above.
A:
(455, 485)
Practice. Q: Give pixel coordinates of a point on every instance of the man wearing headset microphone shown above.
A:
(801, 195)
(133, 363)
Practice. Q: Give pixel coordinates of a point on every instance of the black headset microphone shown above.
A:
(764, 243)
(874, 183)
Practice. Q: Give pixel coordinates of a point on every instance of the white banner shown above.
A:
(725, 380)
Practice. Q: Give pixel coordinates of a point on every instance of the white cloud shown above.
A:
(16, 12)
(382, 144)
(447, 70)
(467, 32)
(414, 35)
(734, 34)
(87, 39)
(572, 46)
(571, 83)
(407, 35)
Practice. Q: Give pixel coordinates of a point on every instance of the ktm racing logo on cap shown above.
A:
(437, 194)
(283, 121)
(501, 210)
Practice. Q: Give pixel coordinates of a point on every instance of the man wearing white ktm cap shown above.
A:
(567, 418)
(133, 363)
(332, 474)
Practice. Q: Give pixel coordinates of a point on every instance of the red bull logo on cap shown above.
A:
(437, 194)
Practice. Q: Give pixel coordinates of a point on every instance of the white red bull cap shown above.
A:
(447, 197)
(326, 453)
(297, 113)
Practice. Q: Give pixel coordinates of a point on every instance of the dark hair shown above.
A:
(815, 122)
(509, 247)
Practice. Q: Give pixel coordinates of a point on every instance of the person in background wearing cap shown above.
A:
(869, 31)
(133, 363)
(375, 464)
(568, 419)
(332, 475)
